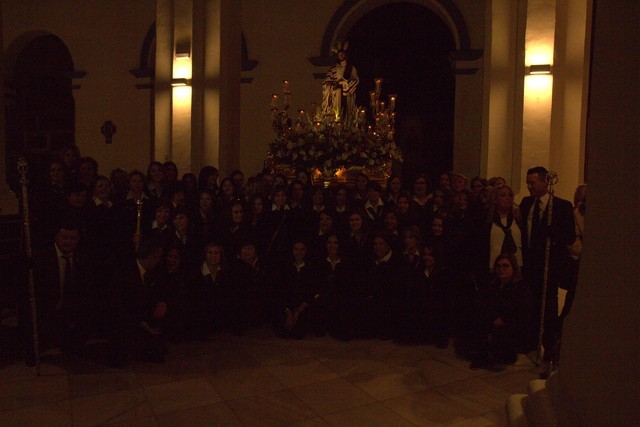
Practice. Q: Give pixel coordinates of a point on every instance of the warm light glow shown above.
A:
(539, 54)
(537, 86)
(182, 68)
(182, 99)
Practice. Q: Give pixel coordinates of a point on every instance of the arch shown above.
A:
(350, 11)
(147, 68)
(40, 109)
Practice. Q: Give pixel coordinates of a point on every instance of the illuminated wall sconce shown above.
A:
(539, 69)
(180, 82)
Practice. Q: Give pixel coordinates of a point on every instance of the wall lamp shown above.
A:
(180, 56)
(180, 82)
(539, 69)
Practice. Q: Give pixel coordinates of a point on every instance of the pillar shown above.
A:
(599, 375)
(8, 200)
(536, 116)
(198, 119)
(570, 90)
(221, 84)
(503, 85)
(163, 73)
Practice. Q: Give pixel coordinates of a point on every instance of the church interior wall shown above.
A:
(282, 48)
(104, 39)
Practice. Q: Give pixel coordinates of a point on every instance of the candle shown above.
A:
(378, 81)
(274, 100)
(285, 86)
(392, 102)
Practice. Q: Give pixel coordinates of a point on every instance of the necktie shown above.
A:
(535, 222)
(67, 275)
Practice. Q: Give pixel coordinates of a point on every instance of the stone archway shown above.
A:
(40, 107)
(351, 11)
(449, 143)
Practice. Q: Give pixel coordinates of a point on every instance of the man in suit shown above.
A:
(61, 293)
(536, 229)
(136, 308)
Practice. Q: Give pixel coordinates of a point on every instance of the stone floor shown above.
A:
(260, 380)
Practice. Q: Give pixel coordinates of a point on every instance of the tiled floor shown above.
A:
(260, 380)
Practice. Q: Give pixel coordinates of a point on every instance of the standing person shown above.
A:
(561, 232)
(575, 249)
(297, 312)
(155, 180)
(61, 288)
(500, 234)
(374, 206)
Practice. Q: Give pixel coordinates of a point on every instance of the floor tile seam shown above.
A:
(284, 387)
(395, 412)
(316, 415)
(35, 377)
(164, 414)
(350, 408)
(22, 408)
(476, 413)
(121, 413)
(483, 379)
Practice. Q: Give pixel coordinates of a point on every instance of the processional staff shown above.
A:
(24, 182)
(552, 179)
(138, 235)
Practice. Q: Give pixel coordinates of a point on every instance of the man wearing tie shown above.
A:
(59, 288)
(536, 230)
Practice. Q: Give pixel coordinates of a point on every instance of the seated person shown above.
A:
(218, 297)
(336, 291)
(297, 293)
(254, 282)
(502, 314)
(136, 308)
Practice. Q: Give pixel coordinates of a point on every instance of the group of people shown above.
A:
(142, 257)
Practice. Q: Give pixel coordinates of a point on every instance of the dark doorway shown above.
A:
(408, 45)
(41, 115)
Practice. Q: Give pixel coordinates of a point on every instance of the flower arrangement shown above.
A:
(327, 144)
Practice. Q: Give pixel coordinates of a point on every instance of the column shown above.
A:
(222, 68)
(163, 74)
(8, 200)
(503, 101)
(599, 375)
(182, 57)
(536, 118)
(570, 94)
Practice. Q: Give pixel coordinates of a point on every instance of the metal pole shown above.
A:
(24, 182)
(552, 179)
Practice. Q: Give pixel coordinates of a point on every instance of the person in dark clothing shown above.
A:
(296, 294)
(218, 302)
(379, 291)
(336, 291)
(255, 282)
(136, 308)
(502, 313)
(561, 232)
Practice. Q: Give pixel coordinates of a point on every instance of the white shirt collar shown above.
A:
(99, 202)
(386, 258)
(141, 270)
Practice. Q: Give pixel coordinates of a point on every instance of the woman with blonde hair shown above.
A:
(500, 233)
